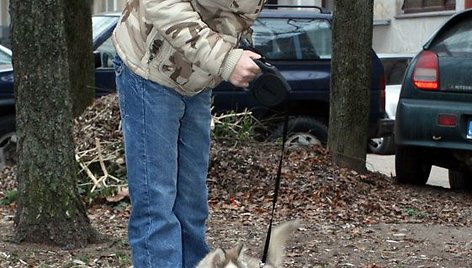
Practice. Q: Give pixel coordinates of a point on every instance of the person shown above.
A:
(170, 54)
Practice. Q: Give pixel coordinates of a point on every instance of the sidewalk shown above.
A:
(386, 164)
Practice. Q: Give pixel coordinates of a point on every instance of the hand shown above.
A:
(245, 70)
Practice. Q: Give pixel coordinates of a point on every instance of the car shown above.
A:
(433, 123)
(395, 65)
(104, 51)
(298, 43)
(7, 106)
(5, 55)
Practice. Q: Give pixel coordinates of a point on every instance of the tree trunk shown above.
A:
(78, 26)
(350, 83)
(49, 209)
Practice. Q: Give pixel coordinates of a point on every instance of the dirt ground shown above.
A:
(347, 219)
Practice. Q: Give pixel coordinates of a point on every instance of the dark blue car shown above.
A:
(298, 43)
(7, 106)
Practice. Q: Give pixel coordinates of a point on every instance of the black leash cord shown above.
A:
(276, 192)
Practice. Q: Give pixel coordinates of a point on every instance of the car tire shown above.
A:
(8, 141)
(303, 131)
(410, 166)
(460, 179)
(382, 146)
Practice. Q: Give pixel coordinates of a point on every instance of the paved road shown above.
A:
(386, 165)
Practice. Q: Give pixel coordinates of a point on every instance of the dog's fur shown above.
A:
(236, 258)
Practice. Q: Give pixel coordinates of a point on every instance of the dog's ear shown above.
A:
(240, 250)
(235, 255)
(219, 258)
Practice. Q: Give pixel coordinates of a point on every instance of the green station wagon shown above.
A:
(433, 124)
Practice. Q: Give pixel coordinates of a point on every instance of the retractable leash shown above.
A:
(276, 192)
(271, 89)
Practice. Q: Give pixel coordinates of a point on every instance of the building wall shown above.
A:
(107, 5)
(4, 23)
(300, 2)
(396, 32)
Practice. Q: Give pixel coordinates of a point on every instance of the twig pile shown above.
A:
(99, 142)
(99, 146)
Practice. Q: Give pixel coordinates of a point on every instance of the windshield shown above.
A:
(101, 24)
(5, 58)
(293, 39)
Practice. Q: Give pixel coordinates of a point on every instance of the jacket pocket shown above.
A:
(155, 47)
(247, 7)
(172, 66)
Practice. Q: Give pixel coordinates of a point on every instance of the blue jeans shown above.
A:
(167, 144)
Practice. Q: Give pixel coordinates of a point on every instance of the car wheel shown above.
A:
(303, 131)
(460, 180)
(382, 146)
(410, 166)
(7, 141)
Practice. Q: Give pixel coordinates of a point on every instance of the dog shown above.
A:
(236, 257)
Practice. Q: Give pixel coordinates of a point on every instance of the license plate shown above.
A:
(469, 130)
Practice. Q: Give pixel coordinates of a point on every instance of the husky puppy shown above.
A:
(236, 258)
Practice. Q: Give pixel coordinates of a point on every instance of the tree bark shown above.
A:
(78, 26)
(350, 83)
(49, 209)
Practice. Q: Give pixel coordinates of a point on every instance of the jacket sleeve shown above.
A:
(183, 28)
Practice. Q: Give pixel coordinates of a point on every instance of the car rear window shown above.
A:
(456, 41)
(293, 39)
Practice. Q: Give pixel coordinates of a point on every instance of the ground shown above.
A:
(347, 219)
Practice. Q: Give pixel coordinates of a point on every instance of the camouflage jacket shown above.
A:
(187, 45)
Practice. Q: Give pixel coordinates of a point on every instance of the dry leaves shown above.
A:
(348, 219)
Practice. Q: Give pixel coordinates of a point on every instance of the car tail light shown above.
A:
(382, 92)
(447, 120)
(426, 72)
